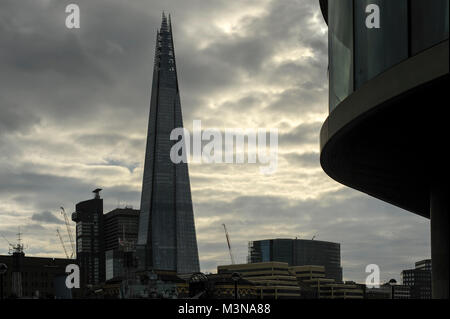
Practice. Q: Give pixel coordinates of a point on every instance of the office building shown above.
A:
(120, 224)
(120, 233)
(299, 252)
(387, 130)
(166, 239)
(389, 291)
(90, 241)
(272, 280)
(419, 280)
(423, 265)
(324, 287)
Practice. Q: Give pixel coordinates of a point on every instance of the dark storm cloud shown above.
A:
(46, 218)
(49, 192)
(108, 61)
(14, 119)
(70, 76)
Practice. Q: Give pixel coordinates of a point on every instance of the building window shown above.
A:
(358, 54)
(376, 50)
(340, 39)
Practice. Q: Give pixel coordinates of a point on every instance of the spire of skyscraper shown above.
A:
(166, 239)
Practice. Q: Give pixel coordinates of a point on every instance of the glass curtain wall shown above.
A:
(379, 49)
(358, 54)
(340, 39)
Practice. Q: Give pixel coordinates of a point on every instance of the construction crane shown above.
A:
(228, 242)
(62, 243)
(69, 232)
(9, 243)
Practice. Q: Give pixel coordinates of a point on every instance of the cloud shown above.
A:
(308, 159)
(46, 218)
(74, 107)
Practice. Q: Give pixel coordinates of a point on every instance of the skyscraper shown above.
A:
(90, 243)
(166, 237)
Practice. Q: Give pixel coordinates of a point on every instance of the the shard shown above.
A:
(166, 239)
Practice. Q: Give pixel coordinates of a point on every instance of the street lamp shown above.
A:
(235, 277)
(392, 282)
(3, 269)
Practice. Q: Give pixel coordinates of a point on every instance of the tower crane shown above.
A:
(62, 243)
(228, 242)
(69, 232)
(9, 243)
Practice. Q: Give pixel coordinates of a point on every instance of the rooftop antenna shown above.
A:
(18, 248)
(19, 240)
(97, 193)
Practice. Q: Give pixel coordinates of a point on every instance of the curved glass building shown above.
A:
(387, 132)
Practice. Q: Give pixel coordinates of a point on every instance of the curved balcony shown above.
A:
(386, 129)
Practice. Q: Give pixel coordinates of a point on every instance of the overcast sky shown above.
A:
(74, 107)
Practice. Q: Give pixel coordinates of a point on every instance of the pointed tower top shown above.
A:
(164, 24)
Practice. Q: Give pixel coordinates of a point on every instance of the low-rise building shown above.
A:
(272, 280)
(326, 288)
(35, 277)
(389, 290)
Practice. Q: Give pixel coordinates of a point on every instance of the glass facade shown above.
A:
(299, 252)
(283, 250)
(166, 235)
(265, 251)
(376, 51)
(89, 239)
(430, 23)
(340, 41)
(358, 54)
